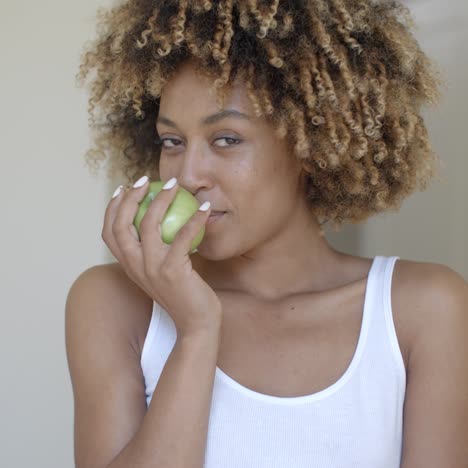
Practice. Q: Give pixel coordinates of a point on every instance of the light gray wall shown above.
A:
(431, 226)
(52, 208)
(51, 218)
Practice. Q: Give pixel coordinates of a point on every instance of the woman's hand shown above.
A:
(163, 271)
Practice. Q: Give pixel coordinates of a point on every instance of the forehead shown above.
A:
(189, 89)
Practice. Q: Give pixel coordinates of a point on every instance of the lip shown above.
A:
(215, 216)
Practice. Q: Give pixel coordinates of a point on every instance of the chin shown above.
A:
(212, 251)
(208, 253)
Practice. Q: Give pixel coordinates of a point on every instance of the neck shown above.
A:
(297, 259)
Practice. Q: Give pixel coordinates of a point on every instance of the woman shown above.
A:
(267, 347)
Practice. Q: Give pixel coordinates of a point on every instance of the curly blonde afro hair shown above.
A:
(342, 80)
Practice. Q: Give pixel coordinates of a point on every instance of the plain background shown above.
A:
(52, 207)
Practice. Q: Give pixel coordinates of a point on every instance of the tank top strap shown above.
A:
(382, 337)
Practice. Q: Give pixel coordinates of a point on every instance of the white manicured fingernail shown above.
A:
(117, 191)
(205, 206)
(140, 182)
(170, 183)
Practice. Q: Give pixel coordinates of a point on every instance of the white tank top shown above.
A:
(355, 423)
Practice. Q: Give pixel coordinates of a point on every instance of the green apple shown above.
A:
(179, 212)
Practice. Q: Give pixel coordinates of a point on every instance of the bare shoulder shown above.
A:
(125, 306)
(424, 296)
(430, 306)
(104, 314)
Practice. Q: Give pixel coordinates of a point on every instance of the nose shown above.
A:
(194, 171)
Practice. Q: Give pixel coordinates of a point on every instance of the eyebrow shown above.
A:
(224, 114)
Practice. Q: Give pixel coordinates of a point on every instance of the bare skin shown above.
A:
(291, 304)
(257, 336)
(286, 293)
(268, 244)
(309, 339)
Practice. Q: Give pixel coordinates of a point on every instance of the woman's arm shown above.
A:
(436, 404)
(113, 428)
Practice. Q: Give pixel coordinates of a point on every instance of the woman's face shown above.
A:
(236, 163)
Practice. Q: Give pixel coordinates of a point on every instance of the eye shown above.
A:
(162, 140)
(234, 141)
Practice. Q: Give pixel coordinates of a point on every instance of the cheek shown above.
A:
(162, 169)
(168, 168)
(260, 205)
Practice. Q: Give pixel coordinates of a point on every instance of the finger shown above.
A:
(109, 217)
(110, 240)
(181, 247)
(123, 230)
(153, 247)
